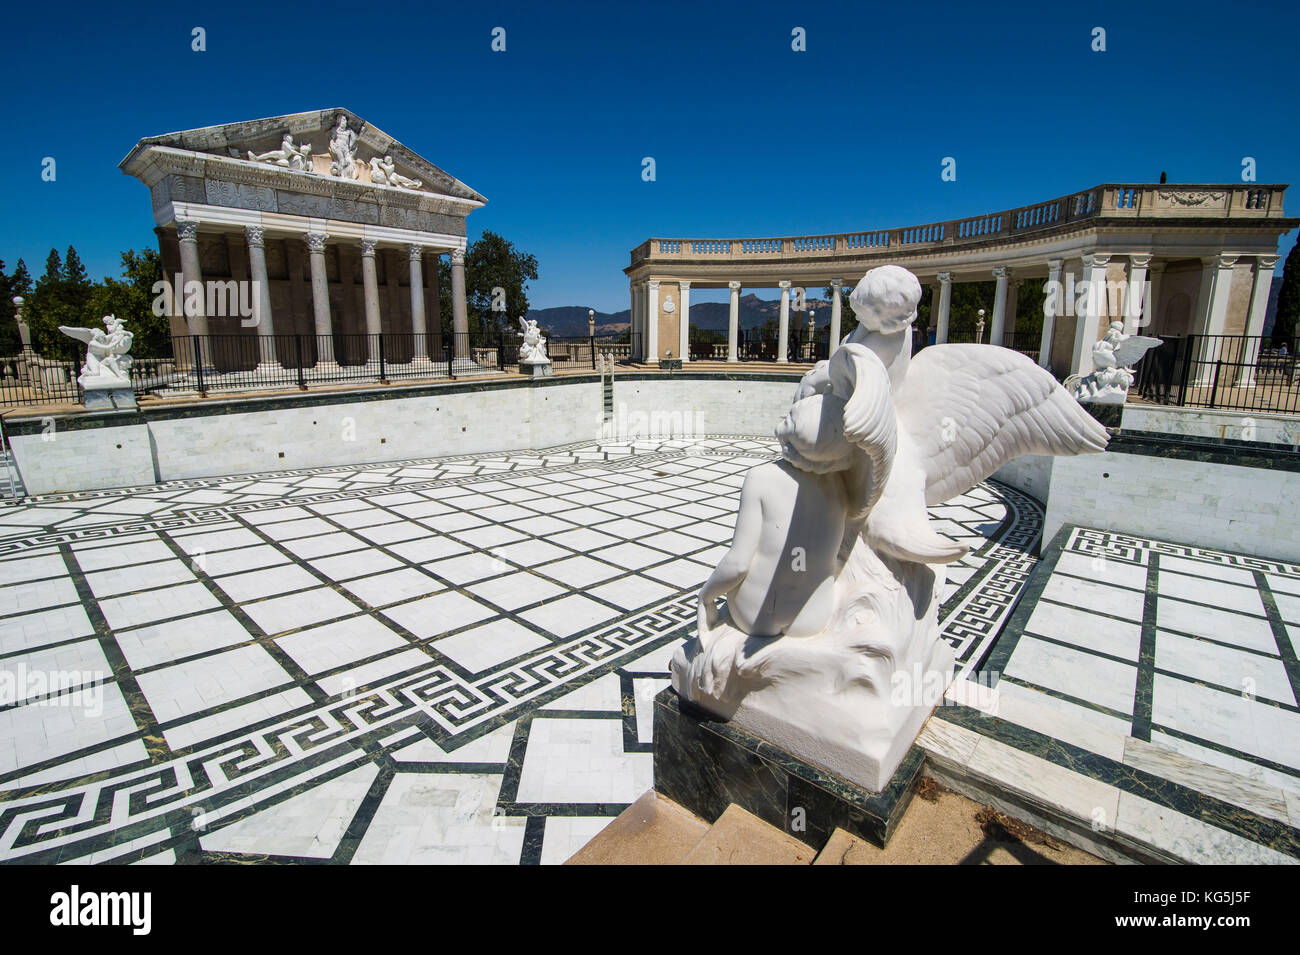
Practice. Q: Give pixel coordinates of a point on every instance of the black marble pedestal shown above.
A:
(704, 765)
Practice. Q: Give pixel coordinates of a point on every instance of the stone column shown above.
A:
(1135, 314)
(459, 314)
(945, 305)
(633, 334)
(1216, 286)
(1087, 326)
(320, 298)
(370, 294)
(1050, 311)
(999, 326)
(196, 318)
(1255, 317)
(836, 307)
(652, 323)
(432, 306)
(256, 238)
(733, 321)
(1151, 302)
(684, 332)
(415, 254)
(783, 333)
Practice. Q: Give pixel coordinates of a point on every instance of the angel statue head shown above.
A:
(886, 299)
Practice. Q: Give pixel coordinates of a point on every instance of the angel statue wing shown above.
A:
(523, 323)
(963, 412)
(86, 335)
(857, 376)
(1131, 349)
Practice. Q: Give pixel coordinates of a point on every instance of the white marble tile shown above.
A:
(490, 644)
(1096, 596)
(1060, 719)
(278, 614)
(1106, 571)
(1075, 673)
(1229, 719)
(1245, 791)
(1224, 666)
(317, 649)
(582, 761)
(1188, 839)
(1213, 592)
(1225, 626)
(603, 694)
(431, 616)
(1067, 792)
(568, 615)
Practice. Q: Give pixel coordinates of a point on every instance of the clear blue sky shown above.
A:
(749, 137)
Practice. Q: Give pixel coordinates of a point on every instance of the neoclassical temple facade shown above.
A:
(335, 226)
(1207, 252)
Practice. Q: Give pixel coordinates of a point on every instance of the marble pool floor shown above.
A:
(453, 660)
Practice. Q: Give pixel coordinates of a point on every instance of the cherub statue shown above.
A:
(833, 577)
(384, 173)
(288, 155)
(533, 348)
(107, 362)
(1112, 360)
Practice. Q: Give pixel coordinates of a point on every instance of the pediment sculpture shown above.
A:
(288, 156)
(384, 173)
(343, 150)
(834, 576)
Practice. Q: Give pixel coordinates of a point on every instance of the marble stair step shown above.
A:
(657, 831)
(741, 838)
(651, 831)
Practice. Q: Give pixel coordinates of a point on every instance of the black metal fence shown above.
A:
(1224, 372)
(29, 378)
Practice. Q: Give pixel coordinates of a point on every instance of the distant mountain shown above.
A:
(571, 320)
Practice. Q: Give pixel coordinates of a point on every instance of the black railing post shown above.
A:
(1214, 390)
(1190, 342)
(591, 340)
(383, 376)
(302, 382)
(449, 350)
(197, 349)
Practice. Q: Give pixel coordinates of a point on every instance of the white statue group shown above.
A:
(108, 364)
(343, 159)
(833, 579)
(1112, 360)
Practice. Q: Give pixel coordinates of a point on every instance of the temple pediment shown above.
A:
(329, 145)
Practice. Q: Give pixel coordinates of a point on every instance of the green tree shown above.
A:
(490, 262)
(131, 299)
(1288, 302)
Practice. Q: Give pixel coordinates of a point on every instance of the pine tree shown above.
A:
(21, 280)
(1288, 302)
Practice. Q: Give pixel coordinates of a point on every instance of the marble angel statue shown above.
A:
(1112, 360)
(533, 348)
(288, 155)
(833, 578)
(107, 362)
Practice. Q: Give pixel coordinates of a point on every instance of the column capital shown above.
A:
(1266, 261)
(187, 230)
(733, 285)
(784, 284)
(1096, 260)
(1002, 272)
(316, 241)
(684, 286)
(652, 284)
(255, 236)
(414, 251)
(457, 256)
(837, 283)
(1054, 265)
(368, 247)
(944, 277)
(1224, 260)
(1139, 260)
